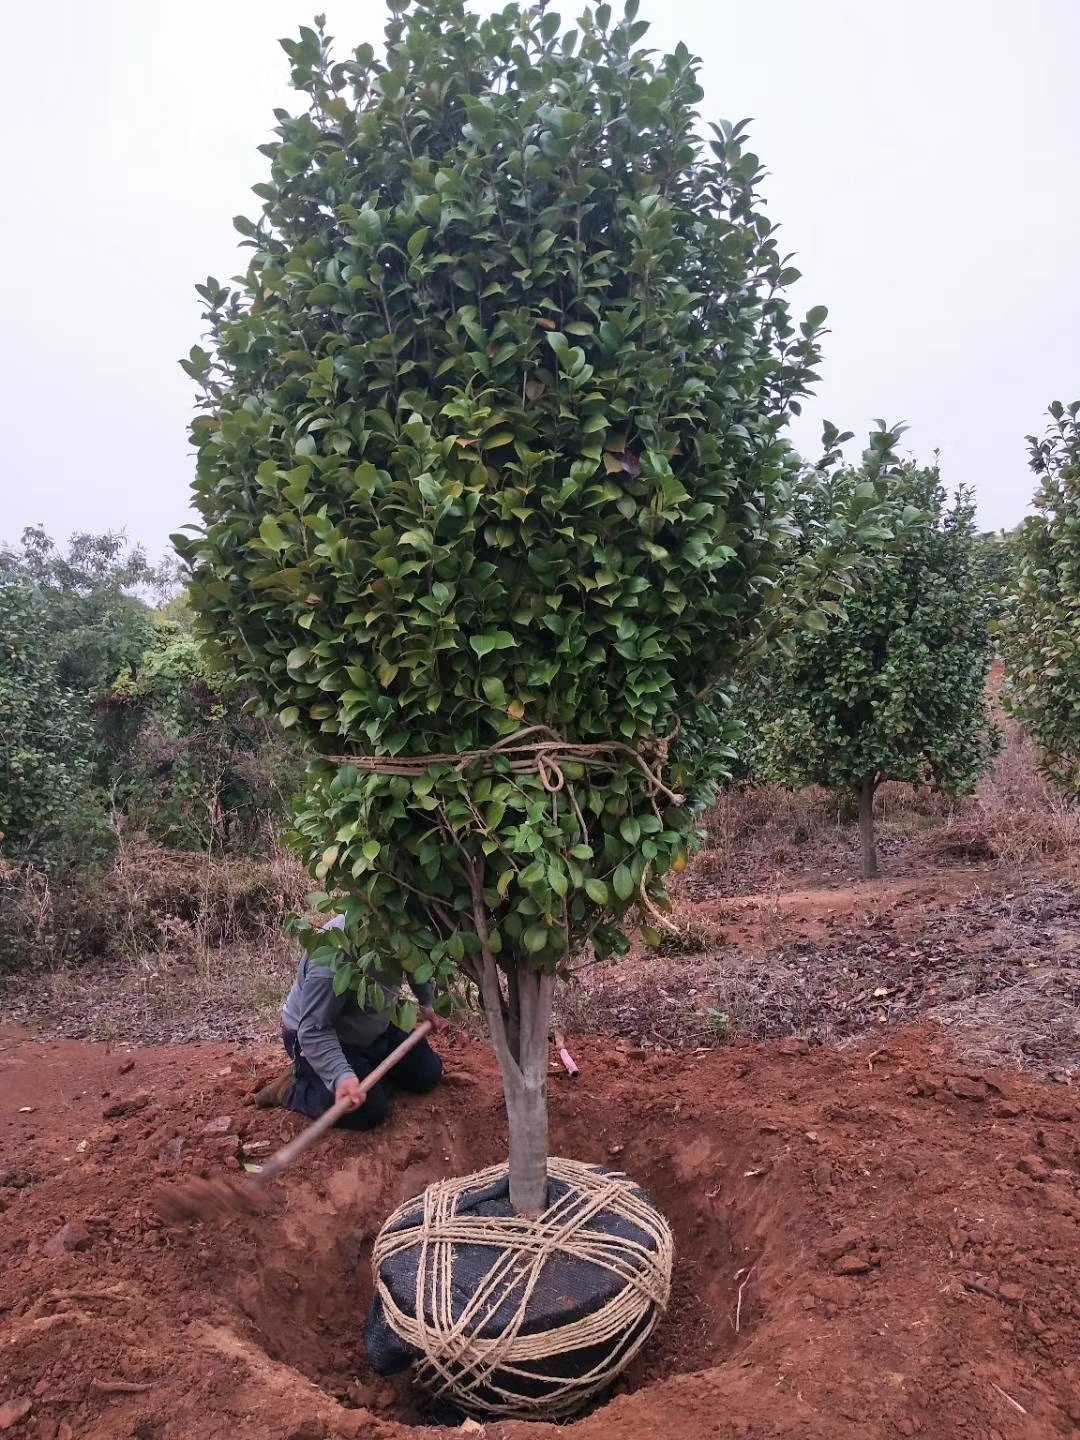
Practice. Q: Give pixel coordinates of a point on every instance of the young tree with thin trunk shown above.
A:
(493, 483)
(891, 684)
(1040, 624)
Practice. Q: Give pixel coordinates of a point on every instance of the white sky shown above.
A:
(923, 158)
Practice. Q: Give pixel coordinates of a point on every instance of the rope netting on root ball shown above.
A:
(506, 1314)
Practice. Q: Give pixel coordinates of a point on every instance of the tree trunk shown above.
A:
(519, 1023)
(867, 790)
(525, 1089)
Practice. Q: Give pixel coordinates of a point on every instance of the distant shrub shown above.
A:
(1040, 626)
(191, 765)
(52, 814)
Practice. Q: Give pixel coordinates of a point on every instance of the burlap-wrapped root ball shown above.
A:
(505, 1315)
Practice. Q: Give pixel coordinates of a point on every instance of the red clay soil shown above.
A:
(871, 1243)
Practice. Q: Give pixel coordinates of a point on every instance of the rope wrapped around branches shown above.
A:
(544, 757)
(477, 1348)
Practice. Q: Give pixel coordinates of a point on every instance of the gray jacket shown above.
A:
(324, 1021)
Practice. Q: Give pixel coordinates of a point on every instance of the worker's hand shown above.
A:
(437, 1021)
(349, 1088)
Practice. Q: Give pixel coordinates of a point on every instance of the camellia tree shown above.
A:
(892, 684)
(493, 483)
(1040, 627)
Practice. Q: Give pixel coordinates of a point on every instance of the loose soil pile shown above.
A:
(872, 1242)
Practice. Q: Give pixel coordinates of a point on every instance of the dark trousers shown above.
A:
(419, 1071)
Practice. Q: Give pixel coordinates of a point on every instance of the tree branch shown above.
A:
(490, 989)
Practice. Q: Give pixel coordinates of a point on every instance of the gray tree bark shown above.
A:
(867, 790)
(519, 1024)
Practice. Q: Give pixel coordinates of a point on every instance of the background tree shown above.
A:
(1040, 626)
(189, 765)
(69, 620)
(98, 593)
(110, 714)
(1000, 554)
(892, 684)
(491, 454)
(51, 812)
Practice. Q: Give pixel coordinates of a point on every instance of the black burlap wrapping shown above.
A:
(519, 1316)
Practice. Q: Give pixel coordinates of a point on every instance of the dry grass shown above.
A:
(166, 945)
(1025, 816)
(761, 838)
(157, 998)
(149, 899)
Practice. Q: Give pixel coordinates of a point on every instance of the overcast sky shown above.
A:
(922, 158)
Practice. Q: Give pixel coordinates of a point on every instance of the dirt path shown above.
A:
(806, 912)
(904, 1231)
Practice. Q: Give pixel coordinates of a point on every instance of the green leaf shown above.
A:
(371, 849)
(630, 830)
(272, 535)
(289, 716)
(816, 620)
(597, 892)
(623, 882)
(417, 241)
(494, 640)
(535, 938)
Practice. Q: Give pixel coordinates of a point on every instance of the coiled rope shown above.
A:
(471, 1369)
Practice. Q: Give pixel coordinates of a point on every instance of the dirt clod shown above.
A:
(131, 1106)
(12, 1411)
(840, 1244)
(967, 1089)
(169, 1156)
(1035, 1166)
(852, 1265)
(69, 1238)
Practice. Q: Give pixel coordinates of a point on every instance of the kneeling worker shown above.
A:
(333, 1043)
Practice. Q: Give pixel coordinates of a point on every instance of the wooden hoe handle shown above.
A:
(284, 1157)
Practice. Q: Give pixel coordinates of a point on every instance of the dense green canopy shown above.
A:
(1040, 627)
(490, 439)
(893, 685)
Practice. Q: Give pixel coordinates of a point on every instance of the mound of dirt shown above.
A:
(869, 1243)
